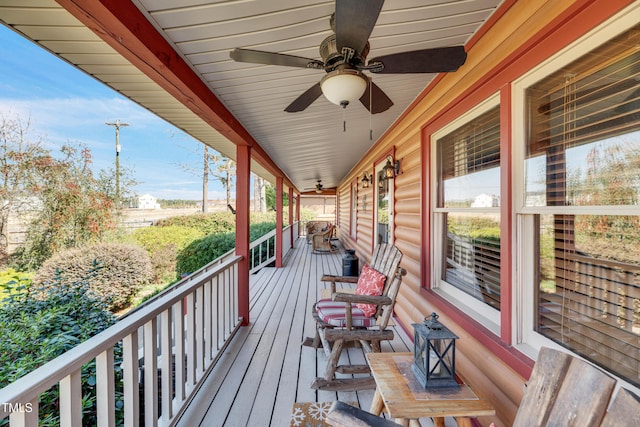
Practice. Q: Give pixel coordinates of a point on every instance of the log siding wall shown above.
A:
(522, 34)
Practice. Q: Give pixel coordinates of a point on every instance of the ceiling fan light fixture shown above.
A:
(343, 86)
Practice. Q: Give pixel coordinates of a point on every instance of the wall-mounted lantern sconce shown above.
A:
(366, 180)
(391, 170)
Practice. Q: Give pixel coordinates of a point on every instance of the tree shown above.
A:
(216, 167)
(17, 152)
(225, 172)
(107, 184)
(259, 194)
(271, 198)
(73, 207)
(205, 180)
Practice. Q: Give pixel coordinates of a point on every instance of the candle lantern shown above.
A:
(434, 354)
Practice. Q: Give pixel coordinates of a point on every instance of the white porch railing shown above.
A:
(192, 321)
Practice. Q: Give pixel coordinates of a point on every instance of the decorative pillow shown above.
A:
(370, 282)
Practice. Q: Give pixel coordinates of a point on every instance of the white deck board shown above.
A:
(266, 369)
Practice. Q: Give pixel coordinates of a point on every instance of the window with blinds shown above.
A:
(582, 167)
(468, 202)
(583, 146)
(469, 164)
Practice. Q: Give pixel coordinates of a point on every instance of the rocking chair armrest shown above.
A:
(341, 279)
(364, 299)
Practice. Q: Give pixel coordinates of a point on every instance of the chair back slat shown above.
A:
(386, 259)
(386, 311)
(564, 391)
(624, 411)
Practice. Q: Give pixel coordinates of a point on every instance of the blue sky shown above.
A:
(65, 105)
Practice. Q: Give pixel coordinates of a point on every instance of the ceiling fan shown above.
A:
(344, 58)
(318, 187)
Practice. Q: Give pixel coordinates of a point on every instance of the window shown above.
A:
(383, 214)
(580, 204)
(467, 211)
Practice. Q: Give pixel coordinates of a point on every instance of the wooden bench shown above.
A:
(563, 391)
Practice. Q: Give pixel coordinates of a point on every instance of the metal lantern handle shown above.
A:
(432, 322)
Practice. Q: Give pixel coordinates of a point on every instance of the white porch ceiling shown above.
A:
(307, 145)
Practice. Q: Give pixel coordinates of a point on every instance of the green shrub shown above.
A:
(119, 271)
(38, 325)
(217, 222)
(10, 280)
(163, 244)
(202, 251)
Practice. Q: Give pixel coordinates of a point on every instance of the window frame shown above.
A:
(524, 336)
(353, 213)
(476, 309)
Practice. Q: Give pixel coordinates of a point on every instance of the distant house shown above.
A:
(147, 201)
(486, 201)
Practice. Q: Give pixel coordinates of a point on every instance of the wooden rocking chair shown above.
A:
(339, 321)
(321, 241)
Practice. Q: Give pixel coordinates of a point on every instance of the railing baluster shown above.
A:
(215, 311)
(151, 373)
(27, 416)
(105, 389)
(130, 380)
(71, 400)
(191, 342)
(229, 321)
(234, 307)
(208, 334)
(222, 307)
(178, 330)
(199, 332)
(166, 365)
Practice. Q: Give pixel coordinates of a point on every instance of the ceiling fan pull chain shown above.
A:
(370, 108)
(344, 121)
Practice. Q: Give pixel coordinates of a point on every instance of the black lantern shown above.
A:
(366, 180)
(388, 169)
(434, 354)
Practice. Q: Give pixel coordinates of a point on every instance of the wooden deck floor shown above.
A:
(265, 369)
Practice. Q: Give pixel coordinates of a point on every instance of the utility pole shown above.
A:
(117, 125)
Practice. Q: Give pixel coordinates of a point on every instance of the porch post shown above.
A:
(279, 222)
(298, 213)
(291, 214)
(243, 172)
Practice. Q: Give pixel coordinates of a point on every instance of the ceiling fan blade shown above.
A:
(271, 58)
(379, 100)
(355, 20)
(438, 60)
(304, 100)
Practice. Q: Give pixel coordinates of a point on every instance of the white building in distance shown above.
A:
(147, 201)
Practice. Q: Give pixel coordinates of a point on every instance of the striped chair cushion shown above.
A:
(333, 313)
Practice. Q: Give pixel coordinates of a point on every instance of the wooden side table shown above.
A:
(405, 400)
